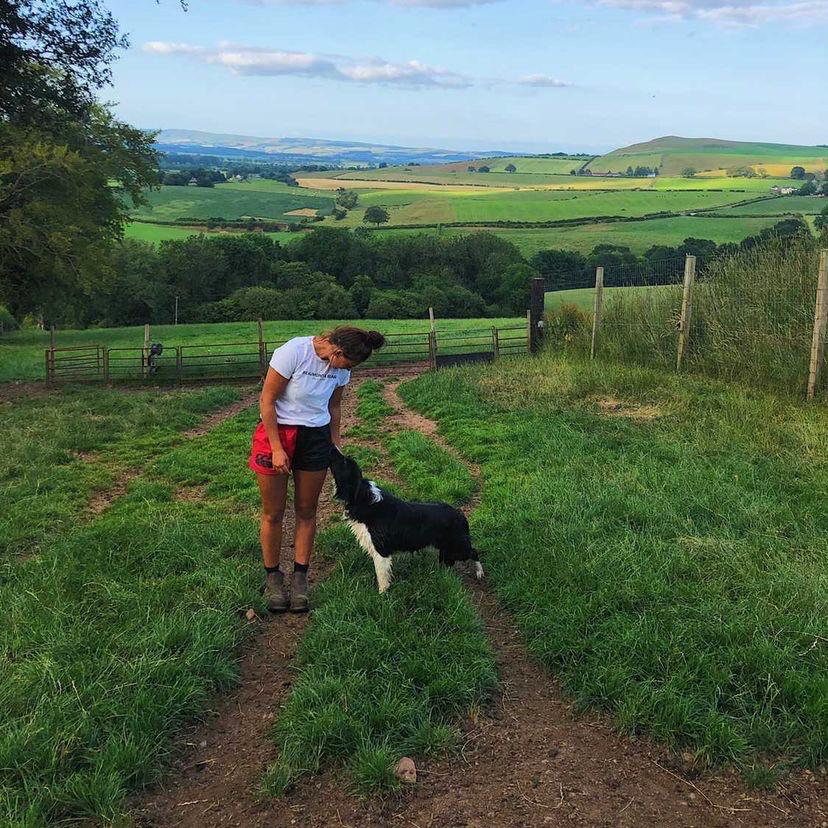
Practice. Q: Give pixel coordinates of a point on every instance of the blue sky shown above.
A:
(531, 75)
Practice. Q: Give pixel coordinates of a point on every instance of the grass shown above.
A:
(672, 556)
(383, 676)
(752, 319)
(784, 205)
(371, 410)
(22, 352)
(584, 298)
(448, 176)
(429, 469)
(638, 236)
(673, 154)
(120, 631)
(230, 202)
(59, 449)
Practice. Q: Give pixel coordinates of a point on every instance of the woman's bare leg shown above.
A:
(308, 485)
(273, 490)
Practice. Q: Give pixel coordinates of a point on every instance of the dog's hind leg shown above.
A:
(382, 566)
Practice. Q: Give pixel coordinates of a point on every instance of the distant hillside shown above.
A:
(673, 154)
(304, 150)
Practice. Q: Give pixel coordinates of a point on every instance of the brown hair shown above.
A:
(356, 344)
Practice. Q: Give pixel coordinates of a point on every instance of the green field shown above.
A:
(22, 352)
(271, 200)
(683, 521)
(430, 207)
(156, 233)
(637, 235)
(806, 205)
(440, 176)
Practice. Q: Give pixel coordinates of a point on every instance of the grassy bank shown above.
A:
(122, 629)
(58, 450)
(664, 551)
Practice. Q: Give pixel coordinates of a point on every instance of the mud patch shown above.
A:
(612, 407)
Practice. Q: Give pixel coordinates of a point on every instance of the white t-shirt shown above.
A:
(312, 383)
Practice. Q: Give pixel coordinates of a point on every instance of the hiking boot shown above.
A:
(275, 592)
(299, 592)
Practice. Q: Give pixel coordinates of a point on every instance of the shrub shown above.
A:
(7, 321)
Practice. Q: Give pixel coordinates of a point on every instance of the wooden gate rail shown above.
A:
(249, 360)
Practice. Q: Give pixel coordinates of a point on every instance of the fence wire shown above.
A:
(751, 315)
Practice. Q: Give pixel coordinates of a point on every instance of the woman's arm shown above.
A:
(335, 407)
(274, 386)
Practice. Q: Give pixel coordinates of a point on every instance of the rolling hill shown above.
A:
(304, 150)
(672, 154)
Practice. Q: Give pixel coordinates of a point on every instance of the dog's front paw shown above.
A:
(478, 570)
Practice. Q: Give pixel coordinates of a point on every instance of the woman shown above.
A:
(300, 410)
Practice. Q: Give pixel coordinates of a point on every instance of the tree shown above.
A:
(559, 267)
(630, 172)
(821, 221)
(361, 291)
(346, 199)
(471, 168)
(510, 168)
(484, 169)
(688, 172)
(376, 215)
(798, 173)
(64, 199)
(69, 171)
(55, 55)
(808, 188)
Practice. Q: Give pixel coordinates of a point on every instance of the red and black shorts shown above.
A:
(307, 447)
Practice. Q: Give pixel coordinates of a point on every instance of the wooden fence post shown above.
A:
(179, 364)
(686, 309)
(432, 349)
(105, 363)
(529, 331)
(599, 306)
(820, 319)
(262, 354)
(145, 352)
(495, 343)
(50, 356)
(536, 314)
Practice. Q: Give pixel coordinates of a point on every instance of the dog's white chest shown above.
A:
(363, 536)
(382, 566)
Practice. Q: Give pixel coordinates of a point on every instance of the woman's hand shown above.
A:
(281, 462)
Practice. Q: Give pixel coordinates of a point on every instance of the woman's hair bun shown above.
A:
(375, 340)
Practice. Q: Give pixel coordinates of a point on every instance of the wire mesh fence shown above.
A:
(748, 316)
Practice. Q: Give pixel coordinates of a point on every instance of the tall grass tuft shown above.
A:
(752, 318)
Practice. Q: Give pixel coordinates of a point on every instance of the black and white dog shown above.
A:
(383, 524)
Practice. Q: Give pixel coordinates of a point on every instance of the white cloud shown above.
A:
(735, 12)
(434, 4)
(544, 81)
(249, 60)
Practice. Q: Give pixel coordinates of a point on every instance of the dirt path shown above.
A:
(529, 760)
